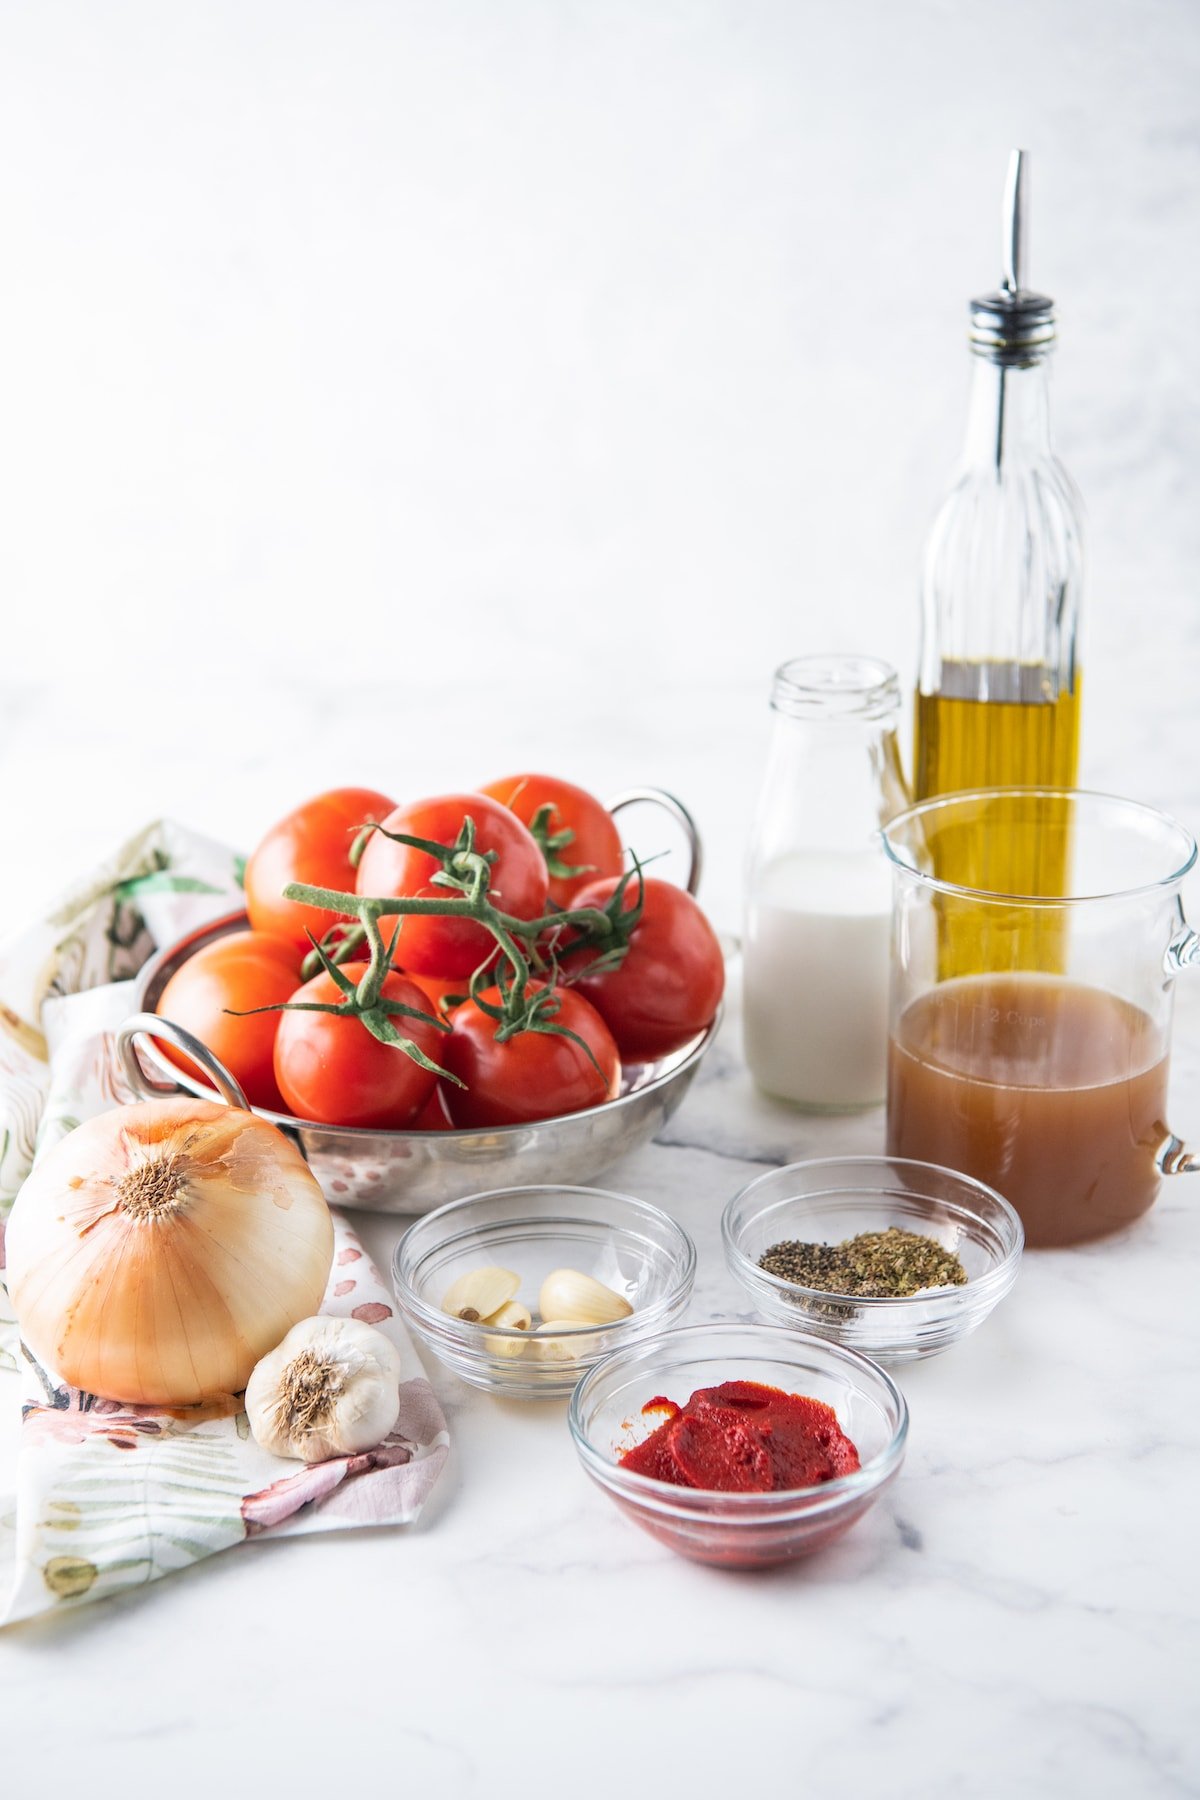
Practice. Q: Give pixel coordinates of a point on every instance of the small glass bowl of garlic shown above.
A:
(521, 1289)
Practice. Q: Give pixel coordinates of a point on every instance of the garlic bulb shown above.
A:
(158, 1251)
(568, 1296)
(331, 1388)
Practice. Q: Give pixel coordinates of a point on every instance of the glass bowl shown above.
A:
(739, 1530)
(838, 1197)
(630, 1246)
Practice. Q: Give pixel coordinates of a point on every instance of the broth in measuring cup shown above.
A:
(1050, 1091)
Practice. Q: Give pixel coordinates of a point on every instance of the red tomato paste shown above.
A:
(744, 1437)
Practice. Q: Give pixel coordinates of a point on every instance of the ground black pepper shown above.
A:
(877, 1265)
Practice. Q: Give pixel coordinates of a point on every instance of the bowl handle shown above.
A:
(145, 1087)
(679, 812)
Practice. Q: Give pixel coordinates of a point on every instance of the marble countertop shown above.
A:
(368, 351)
(1018, 1614)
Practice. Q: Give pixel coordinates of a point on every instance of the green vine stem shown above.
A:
(510, 933)
(587, 918)
(465, 874)
(340, 944)
(551, 843)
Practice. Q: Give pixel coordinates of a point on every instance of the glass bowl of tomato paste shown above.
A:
(832, 1200)
(636, 1251)
(626, 1398)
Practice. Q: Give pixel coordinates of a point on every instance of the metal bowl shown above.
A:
(414, 1171)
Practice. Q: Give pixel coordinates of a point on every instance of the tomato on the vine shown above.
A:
(437, 989)
(231, 975)
(332, 1069)
(433, 1115)
(593, 847)
(519, 883)
(312, 844)
(669, 984)
(535, 1074)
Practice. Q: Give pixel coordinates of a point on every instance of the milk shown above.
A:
(816, 978)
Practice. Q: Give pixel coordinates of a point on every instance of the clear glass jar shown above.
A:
(818, 893)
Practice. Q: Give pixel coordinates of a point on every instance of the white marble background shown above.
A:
(409, 393)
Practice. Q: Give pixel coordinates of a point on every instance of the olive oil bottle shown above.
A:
(999, 682)
(997, 725)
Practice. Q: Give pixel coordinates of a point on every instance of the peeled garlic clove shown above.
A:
(563, 1349)
(514, 1313)
(332, 1388)
(479, 1293)
(568, 1295)
(517, 1317)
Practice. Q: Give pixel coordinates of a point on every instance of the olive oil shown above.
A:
(984, 742)
(991, 743)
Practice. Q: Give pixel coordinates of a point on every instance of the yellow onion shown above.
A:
(160, 1250)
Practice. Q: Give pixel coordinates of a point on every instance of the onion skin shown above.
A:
(159, 1251)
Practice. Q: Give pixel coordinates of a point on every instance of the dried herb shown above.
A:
(877, 1265)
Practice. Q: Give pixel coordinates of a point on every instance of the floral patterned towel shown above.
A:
(111, 1496)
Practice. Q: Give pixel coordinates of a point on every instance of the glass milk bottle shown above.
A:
(818, 892)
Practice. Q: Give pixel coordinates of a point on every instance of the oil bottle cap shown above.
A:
(1014, 326)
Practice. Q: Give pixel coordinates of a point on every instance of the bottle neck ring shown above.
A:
(1014, 329)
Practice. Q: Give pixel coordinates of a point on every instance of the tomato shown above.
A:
(432, 1116)
(534, 1075)
(331, 1069)
(594, 848)
(669, 985)
(233, 974)
(519, 883)
(312, 844)
(435, 989)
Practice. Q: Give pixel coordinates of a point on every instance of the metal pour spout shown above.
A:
(1016, 223)
(1013, 327)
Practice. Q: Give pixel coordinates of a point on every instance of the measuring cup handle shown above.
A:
(679, 812)
(145, 1087)
(1174, 1158)
(1183, 952)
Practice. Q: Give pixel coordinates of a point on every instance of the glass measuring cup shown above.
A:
(1029, 1035)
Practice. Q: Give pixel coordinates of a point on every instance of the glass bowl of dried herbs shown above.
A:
(895, 1258)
